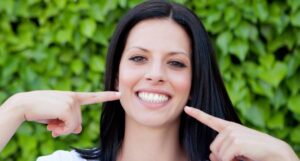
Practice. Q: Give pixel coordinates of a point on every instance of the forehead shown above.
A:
(162, 35)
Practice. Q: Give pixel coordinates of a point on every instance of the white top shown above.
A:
(61, 155)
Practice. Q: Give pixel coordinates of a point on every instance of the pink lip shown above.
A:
(153, 106)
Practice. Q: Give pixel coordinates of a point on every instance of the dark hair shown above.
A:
(208, 92)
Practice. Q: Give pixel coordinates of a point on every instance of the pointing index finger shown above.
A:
(215, 123)
(85, 98)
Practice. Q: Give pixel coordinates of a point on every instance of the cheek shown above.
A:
(181, 82)
(128, 77)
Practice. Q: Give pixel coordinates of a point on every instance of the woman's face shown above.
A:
(155, 72)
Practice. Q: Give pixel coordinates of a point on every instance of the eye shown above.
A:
(138, 59)
(177, 64)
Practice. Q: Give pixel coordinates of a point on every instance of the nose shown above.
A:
(155, 73)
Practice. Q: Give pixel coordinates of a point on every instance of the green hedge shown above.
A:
(62, 44)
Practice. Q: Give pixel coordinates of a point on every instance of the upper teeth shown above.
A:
(152, 97)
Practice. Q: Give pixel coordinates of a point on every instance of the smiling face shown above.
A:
(155, 72)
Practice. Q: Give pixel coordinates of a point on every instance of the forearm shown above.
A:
(10, 119)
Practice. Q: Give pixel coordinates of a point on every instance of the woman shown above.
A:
(161, 60)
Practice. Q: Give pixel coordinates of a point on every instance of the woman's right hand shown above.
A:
(60, 110)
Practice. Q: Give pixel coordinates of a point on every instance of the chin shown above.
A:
(152, 120)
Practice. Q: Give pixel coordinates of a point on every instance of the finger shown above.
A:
(212, 157)
(226, 145)
(54, 134)
(68, 124)
(231, 153)
(52, 124)
(77, 130)
(213, 122)
(77, 117)
(85, 98)
(218, 142)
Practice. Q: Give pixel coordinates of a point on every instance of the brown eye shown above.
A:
(177, 64)
(138, 59)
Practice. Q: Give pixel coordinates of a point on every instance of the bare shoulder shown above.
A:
(62, 155)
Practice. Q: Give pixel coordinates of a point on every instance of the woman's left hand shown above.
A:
(236, 142)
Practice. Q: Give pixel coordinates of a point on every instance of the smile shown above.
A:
(153, 97)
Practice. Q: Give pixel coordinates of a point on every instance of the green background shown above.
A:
(62, 44)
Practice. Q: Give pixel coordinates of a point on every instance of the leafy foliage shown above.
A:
(62, 44)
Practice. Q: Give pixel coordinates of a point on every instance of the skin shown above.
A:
(157, 51)
(236, 142)
(59, 110)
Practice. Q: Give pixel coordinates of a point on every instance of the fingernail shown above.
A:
(189, 109)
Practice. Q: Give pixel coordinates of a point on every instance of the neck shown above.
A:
(151, 143)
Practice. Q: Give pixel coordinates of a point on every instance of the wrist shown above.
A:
(13, 108)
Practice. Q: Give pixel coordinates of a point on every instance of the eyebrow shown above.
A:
(146, 50)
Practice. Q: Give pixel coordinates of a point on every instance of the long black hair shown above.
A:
(208, 92)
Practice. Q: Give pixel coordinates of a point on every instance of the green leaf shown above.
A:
(279, 99)
(245, 31)
(97, 64)
(63, 36)
(261, 88)
(100, 37)
(293, 63)
(261, 10)
(239, 48)
(295, 137)
(295, 19)
(294, 104)
(10, 149)
(267, 61)
(237, 90)
(223, 41)
(294, 4)
(88, 27)
(293, 83)
(258, 47)
(267, 32)
(60, 3)
(7, 6)
(3, 96)
(77, 66)
(64, 84)
(25, 129)
(123, 3)
(275, 75)
(276, 121)
(259, 113)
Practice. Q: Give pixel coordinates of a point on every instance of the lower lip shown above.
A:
(153, 106)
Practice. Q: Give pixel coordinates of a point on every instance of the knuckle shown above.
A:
(232, 134)
(236, 142)
(72, 102)
(230, 128)
(67, 108)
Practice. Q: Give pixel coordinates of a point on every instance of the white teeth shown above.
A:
(153, 97)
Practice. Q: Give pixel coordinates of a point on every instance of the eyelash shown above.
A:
(138, 59)
(141, 59)
(177, 64)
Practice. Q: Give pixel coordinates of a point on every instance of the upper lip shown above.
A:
(158, 91)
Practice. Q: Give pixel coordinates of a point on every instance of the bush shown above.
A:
(62, 44)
